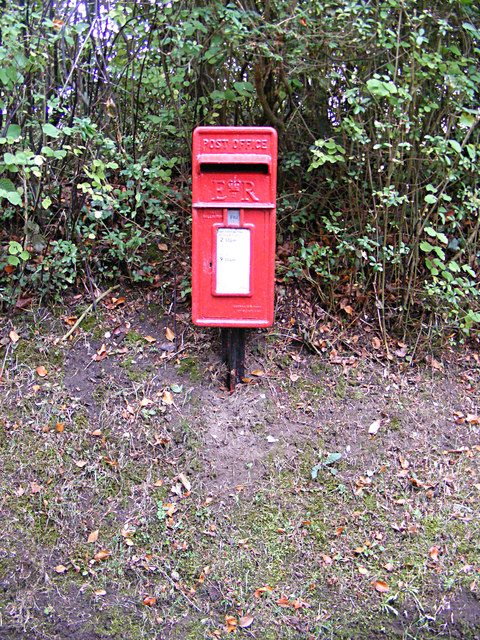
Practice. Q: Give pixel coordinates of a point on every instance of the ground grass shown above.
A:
(118, 523)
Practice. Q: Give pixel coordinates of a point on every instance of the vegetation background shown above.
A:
(377, 109)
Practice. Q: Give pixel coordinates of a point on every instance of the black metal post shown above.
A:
(233, 348)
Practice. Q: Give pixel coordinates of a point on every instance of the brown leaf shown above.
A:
(60, 568)
(376, 344)
(14, 337)
(434, 553)
(231, 623)
(283, 601)
(101, 353)
(149, 601)
(403, 462)
(41, 371)
(363, 571)
(261, 590)
(100, 592)
(80, 463)
(245, 621)
(35, 487)
(162, 246)
(150, 339)
(93, 537)
(169, 334)
(60, 426)
(381, 586)
(167, 398)
(101, 555)
(258, 373)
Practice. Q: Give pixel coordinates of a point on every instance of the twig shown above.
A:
(87, 311)
(5, 359)
(165, 574)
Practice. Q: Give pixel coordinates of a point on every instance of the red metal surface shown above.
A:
(233, 226)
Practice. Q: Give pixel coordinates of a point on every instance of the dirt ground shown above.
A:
(334, 494)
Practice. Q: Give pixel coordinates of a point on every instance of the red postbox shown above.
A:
(233, 226)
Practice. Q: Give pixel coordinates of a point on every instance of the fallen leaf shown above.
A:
(169, 334)
(376, 344)
(35, 487)
(60, 426)
(167, 398)
(101, 353)
(258, 373)
(97, 433)
(245, 621)
(261, 590)
(230, 624)
(294, 377)
(327, 559)
(101, 555)
(298, 604)
(42, 372)
(150, 339)
(434, 553)
(185, 481)
(14, 337)
(388, 567)
(80, 463)
(403, 462)
(158, 483)
(93, 537)
(60, 568)
(374, 427)
(283, 601)
(363, 571)
(170, 508)
(100, 592)
(381, 586)
(162, 246)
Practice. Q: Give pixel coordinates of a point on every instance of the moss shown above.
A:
(192, 368)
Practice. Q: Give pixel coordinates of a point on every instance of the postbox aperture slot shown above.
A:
(217, 167)
(233, 261)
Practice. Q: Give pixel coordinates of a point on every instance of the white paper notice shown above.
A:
(233, 261)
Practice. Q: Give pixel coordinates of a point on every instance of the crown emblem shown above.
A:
(234, 185)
